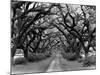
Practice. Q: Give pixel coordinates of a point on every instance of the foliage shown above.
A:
(37, 27)
(90, 61)
(70, 56)
(37, 57)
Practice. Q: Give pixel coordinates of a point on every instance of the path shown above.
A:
(55, 64)
(52, 64)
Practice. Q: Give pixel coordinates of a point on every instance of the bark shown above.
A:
(13, 51)
(26, 53)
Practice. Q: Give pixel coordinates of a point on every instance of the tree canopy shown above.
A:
(39, 26)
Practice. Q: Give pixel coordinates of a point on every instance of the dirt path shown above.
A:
(55, 64)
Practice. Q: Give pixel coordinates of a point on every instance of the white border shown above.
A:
(86, 2)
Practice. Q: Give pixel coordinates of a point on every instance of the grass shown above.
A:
(32, 67)
(89, 61)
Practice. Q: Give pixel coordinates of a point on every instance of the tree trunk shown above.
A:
(26, 54)
(85, 48)
(13, 51)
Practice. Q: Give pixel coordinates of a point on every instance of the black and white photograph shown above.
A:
(52, 37)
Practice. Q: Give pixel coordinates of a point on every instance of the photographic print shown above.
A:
(52, 37)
